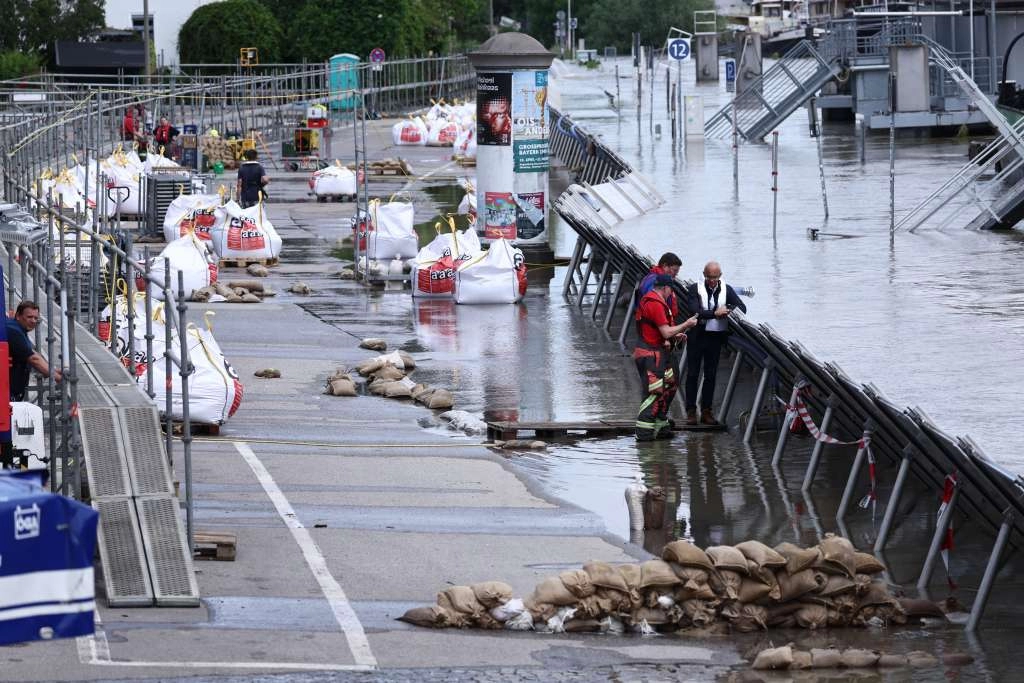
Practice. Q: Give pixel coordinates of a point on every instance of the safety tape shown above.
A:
(949, 485)
(800, 408)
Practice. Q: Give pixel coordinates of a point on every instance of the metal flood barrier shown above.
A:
(604, 268)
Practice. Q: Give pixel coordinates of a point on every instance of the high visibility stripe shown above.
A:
(59, 585)
(654, 386)
(640, 424)
(647, 402)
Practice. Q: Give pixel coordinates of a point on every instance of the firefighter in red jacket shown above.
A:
(658, 333)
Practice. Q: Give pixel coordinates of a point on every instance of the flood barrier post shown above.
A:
(861, 133)
(787, 421)
(586, 278)
(812, 466)
(185, 368)
(755, 408)
(730, 388)
(812, 112)
(574, 264)
(613, 302)
(775, 181)
(892, 158)
(602, 283)
(978, 608)
(858, 462)
(629, 317)
(894, 499)
(936, 545)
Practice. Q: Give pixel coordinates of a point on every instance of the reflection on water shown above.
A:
(935, 322)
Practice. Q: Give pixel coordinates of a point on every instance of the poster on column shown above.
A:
(494, 109)
(499, 216)
(529, 95)
(529, 214)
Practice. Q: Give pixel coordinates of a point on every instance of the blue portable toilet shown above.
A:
(344, 81)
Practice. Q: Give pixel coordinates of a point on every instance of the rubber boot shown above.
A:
(691, 416)
(706, 418)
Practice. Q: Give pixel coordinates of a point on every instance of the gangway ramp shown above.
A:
(796, 77)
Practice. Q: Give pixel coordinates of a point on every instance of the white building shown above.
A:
(167, 17)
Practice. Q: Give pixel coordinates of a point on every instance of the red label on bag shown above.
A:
(448, 134)
(203, 221)
(104, 331)
(438, 278)
(245, 235)
(213, 272)
(411, 133)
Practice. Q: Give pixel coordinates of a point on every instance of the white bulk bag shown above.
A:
(392, 234)
(193, 213)
(246, 234)
(433, 271)
(80, 173)
(468, 205)
(442, 133)
(125, 171)
(495, 277)
(155, 160)
(462, 140)
(190, 256)
(410, 132)
(333, 181)
(214, 390)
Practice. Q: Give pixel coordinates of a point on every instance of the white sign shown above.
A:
(679, 49)
(26, 522)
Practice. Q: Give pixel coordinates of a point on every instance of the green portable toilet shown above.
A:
(344, 81)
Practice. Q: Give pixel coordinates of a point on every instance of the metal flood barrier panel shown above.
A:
(848, 410)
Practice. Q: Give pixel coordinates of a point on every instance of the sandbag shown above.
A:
(247, 234)
(727, 557)
(492, 593)
(866, 563)
(604, 575)
(189, 256)
(697, 613)
(750, 618)
(551, 591)
(496, 277)
(686, 555)
(341, 386)
(752, 591)
(333, 181)
(801, 660)
(657, 573)
(837, 585)
(797, 558)
(410, 132)
(392, 234)
(773, 658)
(825, 658)
(460, 599)
(914, 607)
(795, 586)
(838, 552)
(812, 617)
(433, 616)
(760, 554)
(388, 372)
(728, 585)
(578, 583)
(855, 658)
(655, 616)
(439, 399)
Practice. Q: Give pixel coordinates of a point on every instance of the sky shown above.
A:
(167, 18)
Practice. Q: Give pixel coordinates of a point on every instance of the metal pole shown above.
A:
(602, 283)
(978, 608)
(941, 525)
(628, 318)
(816, 130)
(787, 421)
(971, 9)
(894, 499)
(613, 301)
(574, 264)
(775, 181)
(586, 278)
(755, 408)
(168, 363)
(892, 159)
(730, 388)
(992, 39)
(185, 369)
(812, 466)
(149, 329)
(851, 481)
(735, 148)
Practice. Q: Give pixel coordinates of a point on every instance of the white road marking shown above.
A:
(343, 612)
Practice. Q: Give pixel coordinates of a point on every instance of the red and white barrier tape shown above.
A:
(801, 410)
(947, 543)
(872, 496)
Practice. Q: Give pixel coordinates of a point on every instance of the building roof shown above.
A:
(109, 55)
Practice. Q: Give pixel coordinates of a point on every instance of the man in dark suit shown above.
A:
(712, 299)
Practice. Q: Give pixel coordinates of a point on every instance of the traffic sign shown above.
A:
(730, 70)
(679, 49)
(377, 55)
(574, 23)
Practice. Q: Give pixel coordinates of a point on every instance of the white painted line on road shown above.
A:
(343, 612)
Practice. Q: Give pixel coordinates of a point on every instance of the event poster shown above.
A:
(529, 95)
(499, 216)
(529, 214)
(494, 109)
(531, 156)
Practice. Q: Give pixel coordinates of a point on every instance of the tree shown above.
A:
(214, 33)
(14, 64)
(611, 22)
(32, 26)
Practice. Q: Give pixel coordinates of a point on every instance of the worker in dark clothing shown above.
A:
(165, 133)
(251, 180)
(23, 356)
(669, 264)
(713, 300)
(658, 333)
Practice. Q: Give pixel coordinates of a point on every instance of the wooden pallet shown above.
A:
(210, 545)
(463, 161)
(506, 431)
(246, 262)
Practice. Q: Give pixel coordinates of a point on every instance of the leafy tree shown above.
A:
(215, 33)
(32, 26)
(611, 22)
(14, 64)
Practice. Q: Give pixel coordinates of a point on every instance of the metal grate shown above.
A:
(170, 563)
(109, 371)
(144, 451)
(92, 396)
(128, 395)
(120, 543)
(104, 453)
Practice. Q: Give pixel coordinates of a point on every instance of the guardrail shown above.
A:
(844, 407)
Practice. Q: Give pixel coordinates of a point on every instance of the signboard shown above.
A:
(499, 216)
(529, 95)
(679, 49)
(730, 71)
(530, 156)
(529, 214)
(248, 56)
(377, 55)
(494, 109)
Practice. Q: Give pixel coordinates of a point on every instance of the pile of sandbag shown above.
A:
(387, 375)
(216, 148)
(193, 213)
(788, 657)
(333, 181)
(234, 292)
(497, 276)
(747, 587)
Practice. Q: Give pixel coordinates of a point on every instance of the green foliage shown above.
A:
(14, 64)
(611, 22)
(32, 26)
(216, 32)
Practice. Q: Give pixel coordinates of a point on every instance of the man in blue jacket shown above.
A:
(712, 299)
(23, 357)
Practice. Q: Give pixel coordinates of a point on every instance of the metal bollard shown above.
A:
(894, 499)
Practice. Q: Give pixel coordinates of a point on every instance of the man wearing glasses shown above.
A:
(713, 300)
